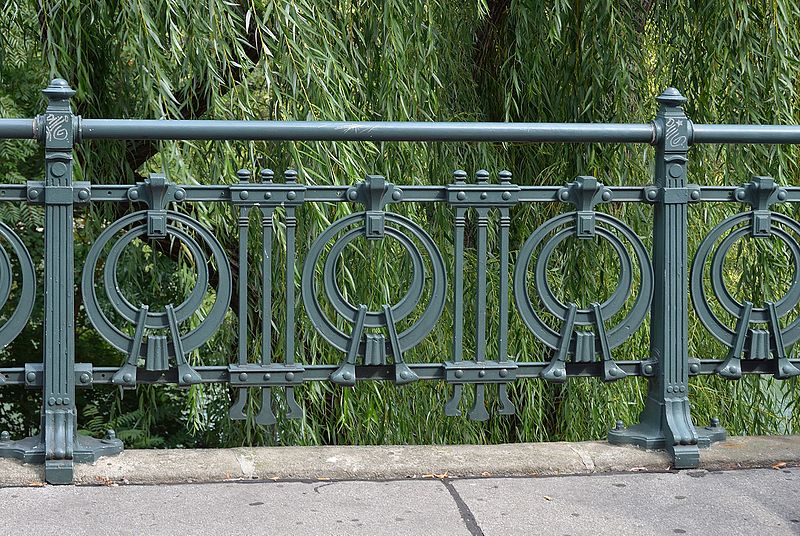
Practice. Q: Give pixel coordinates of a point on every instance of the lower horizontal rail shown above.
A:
(86, 375)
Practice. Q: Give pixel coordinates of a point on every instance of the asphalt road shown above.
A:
(757, 501)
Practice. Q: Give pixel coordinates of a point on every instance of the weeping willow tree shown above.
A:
(439, 60)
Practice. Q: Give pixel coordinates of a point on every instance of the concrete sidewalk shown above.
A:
(754, 501)
(401, 462)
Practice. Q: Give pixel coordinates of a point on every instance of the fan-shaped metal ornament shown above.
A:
(157, 348)
(373, 347)
(744, 341)
(583, 345)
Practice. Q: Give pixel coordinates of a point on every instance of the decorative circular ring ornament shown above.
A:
(156, 320)
(708, 318)
(27, 296)
(400, 230)
(583, 317)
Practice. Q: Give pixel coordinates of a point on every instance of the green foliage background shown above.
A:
(737, 61)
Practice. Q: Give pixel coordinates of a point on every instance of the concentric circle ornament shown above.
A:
(134, 226)
(406, 232)
(27, 295)
(727, 233)
(621, 238)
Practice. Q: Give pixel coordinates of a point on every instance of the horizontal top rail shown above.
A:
(169, 129)
(775, 134)
(364, 131)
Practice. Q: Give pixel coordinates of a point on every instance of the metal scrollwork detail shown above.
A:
(583, 345)
(157, 349)
(745, 341)
(374, 347)
(27, 295)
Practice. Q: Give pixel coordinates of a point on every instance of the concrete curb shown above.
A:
(400, 462)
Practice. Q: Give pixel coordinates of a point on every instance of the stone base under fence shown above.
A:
(400, 462)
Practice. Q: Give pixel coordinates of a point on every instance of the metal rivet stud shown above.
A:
(127, 378)
(404, 375)
(180, 194)
(347, 376)
(267, 195)
(503, 372)
(695, 195)
(133, 194)
(484, 195)
(606, 196)
(242, 376)
(740, 194)
(781, 195)
(648, 369)
(652, 194)
(291, 196)
(58, 169)
(397, 195)
(564, 195)
(557, 373)
(461, 196)
(244, 194)
(289, 376)
(83, 195)
(506, 196)
(5, 436)
(187, 378)
(481, 373)
(694, 367)
(267, 376)
(352, 195)
(459, 373)
(30, 377)
(84, 378)
(33, 194)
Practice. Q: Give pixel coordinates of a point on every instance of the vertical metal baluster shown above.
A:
(237, 410)
(506, 407)
(478, 412)
(291, 227)
(266, 416)
(451, 408)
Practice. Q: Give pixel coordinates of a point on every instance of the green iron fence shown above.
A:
(154, 344)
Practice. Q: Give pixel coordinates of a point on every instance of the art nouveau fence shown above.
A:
(154, 344)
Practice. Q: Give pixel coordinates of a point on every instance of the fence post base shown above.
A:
(86, 450)
(655, 432)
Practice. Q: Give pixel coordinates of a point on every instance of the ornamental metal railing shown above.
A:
(153, 344)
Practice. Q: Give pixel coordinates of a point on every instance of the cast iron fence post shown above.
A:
(58, 396)
(666, 421)
(58, 444)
